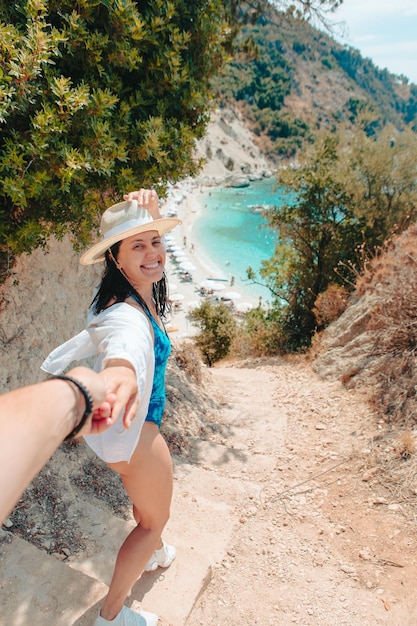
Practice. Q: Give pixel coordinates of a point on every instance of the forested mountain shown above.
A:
(290, 79)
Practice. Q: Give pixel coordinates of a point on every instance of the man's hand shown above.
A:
(102, 417)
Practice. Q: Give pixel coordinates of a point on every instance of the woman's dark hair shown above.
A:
(115, 285)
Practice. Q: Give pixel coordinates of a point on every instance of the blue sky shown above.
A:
(382, 30)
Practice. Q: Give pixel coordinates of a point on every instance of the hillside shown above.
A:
(294, 497)
(372, 344)
(296, 80)
(280, 515)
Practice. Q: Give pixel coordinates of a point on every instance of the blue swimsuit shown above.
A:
(162, 350)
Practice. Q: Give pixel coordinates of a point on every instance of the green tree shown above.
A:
(317, 231)
(348, 197)
(382, 179)
(97, 97)
(217, 330)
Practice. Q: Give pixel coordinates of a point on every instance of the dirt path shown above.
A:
(283, 504)
(318, 539)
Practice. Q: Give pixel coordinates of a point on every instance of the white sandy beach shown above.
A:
(226, 141)
(189, 194)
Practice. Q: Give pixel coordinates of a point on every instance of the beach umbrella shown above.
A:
(177, 252)
(194, 304)
(176, 297)
(232, 295)
(169, 238)
(217, 286)
(243, 307)
(187, 266)
(212, 284)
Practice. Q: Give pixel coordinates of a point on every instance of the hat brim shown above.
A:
(97, 252)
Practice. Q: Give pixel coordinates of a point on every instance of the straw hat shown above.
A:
(121, 221)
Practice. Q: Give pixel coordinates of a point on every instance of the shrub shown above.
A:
(188, 359)
(260, 334)
(330, 305)
(218, 328)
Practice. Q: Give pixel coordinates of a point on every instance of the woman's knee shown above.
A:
(153, 521)
(151, 498)
(148, 479)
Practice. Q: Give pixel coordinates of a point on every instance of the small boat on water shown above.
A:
(260, 208)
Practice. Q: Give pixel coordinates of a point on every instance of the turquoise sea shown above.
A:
(230, 236)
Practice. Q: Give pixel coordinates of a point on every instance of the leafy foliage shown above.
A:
(291, 80)
(95, 98)
(381, 175)
(345, 196)
(217, 330)
(260, 333)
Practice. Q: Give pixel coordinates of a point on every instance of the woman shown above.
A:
(125, 328)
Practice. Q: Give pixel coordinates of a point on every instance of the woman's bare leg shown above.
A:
(137, 520)
(148, 482)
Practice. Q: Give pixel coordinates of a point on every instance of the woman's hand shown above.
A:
(148, 198)
(113, 390)
(121, 381)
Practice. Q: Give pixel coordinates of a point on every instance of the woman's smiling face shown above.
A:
(142, 258)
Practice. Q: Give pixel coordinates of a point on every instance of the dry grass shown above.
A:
(392, 275)
(376, 342)
(406, 445)
(390, 369)
(188, 359)
(330, 304)
(398, 465)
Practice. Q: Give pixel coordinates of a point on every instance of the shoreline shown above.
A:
(191, 210)
(188, 212)
(185, 200)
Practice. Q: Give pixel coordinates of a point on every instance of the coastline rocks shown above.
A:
(229, 153)
(237, 181)
(232, 181)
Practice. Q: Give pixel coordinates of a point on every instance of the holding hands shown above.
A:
(112, 390)
(34, 420)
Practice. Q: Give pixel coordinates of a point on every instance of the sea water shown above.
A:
(230, 235)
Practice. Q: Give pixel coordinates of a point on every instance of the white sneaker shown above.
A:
(129, 617)
(161, 558)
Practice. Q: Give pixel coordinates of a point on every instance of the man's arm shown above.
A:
(34, 420)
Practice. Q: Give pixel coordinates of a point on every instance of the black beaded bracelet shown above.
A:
(88, 404)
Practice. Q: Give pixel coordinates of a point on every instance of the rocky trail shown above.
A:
(278, 518)
(315, 540)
